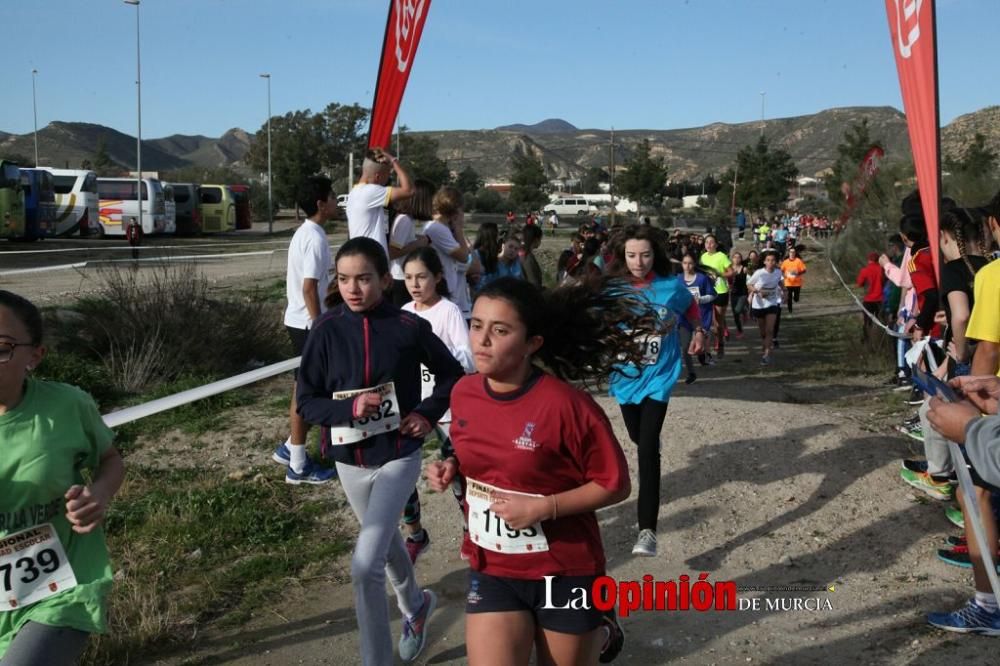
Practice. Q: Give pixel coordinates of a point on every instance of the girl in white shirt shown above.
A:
(403, 239)
(424, 277)
(765, 287)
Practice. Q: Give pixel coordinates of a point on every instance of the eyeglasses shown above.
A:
(7, 349)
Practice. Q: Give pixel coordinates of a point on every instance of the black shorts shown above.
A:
(763, 312)
(494, 594)
(722, 300)
(298, 337)
(874, 307)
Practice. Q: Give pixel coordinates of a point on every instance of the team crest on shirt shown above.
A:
(525, 441)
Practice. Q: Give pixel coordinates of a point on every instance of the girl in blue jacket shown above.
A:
(360, 377)
(642, 390)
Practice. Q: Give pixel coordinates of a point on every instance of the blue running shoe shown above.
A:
(311, 473)
(411, 643)
(972, 619)
(282, 455)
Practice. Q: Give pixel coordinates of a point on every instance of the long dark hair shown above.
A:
(915, 229)
(488, 244)
(358, 246)
(962, 225)
(657, 240)
(590, 328)
(429, 257)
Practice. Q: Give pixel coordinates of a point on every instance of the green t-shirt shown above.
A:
(718, 262)
(45, 443)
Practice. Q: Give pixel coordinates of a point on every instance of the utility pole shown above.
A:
(762, 95)
(611, 189)
(34, 109)
(270, 205)
(138, 113)
(736, 173)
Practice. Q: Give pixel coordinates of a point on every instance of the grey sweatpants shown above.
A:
(377, 496)
(41, 645)
(939, 462)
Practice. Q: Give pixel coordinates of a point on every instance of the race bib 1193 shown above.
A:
(491, 532)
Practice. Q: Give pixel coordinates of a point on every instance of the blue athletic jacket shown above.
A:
(352, 350)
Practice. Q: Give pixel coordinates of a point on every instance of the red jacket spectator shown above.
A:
(870, 277)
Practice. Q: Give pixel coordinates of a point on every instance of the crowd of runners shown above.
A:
(422, 333)
(429, 334)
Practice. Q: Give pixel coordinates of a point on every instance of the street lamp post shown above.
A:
(270, 206)
(34, 111)
(762, 96)
(138, 108)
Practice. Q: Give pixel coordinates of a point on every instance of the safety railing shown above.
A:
(129, 414)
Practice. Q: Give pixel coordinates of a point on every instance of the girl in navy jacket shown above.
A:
(360, 377)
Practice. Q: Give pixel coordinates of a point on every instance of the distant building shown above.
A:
(501, 188)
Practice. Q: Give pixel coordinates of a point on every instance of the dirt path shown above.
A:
(766, 482)
(771, 477)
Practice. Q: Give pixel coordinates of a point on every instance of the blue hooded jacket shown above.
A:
(349, 350)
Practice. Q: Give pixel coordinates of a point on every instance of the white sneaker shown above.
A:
(645, 545)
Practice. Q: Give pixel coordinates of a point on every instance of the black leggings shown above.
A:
(644, 423)
(793, 296)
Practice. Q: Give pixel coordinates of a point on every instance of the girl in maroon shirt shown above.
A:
(540, 457)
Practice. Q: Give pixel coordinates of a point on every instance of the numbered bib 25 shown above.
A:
(386, 419)
(33, 566)
(487, 530)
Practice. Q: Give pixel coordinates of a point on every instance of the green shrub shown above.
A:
(159, 324)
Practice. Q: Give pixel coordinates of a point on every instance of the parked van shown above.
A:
(75, 199)
(218, 208)
(11, 201)
(570, 206)
(169, 209)
(39, 203)
(241, 194)
(188, 216)
(119, 205)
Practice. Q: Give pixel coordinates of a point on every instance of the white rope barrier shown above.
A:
(85, 264)
(129, 414)
(129, 248)
(43, 269)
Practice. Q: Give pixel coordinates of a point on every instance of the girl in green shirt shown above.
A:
(54, 569)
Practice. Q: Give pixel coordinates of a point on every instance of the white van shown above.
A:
(76, 200)
(119, 206)
(170, 209)
(570, 206)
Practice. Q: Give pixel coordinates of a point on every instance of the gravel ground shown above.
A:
(758, 488)
(769, 479)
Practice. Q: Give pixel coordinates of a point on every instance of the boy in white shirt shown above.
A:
(306, 283)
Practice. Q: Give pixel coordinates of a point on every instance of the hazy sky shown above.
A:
(654, 64)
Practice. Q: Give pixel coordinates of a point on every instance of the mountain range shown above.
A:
(565, 150)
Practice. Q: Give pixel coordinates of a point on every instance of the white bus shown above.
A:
(76, 200)
(119, 206)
